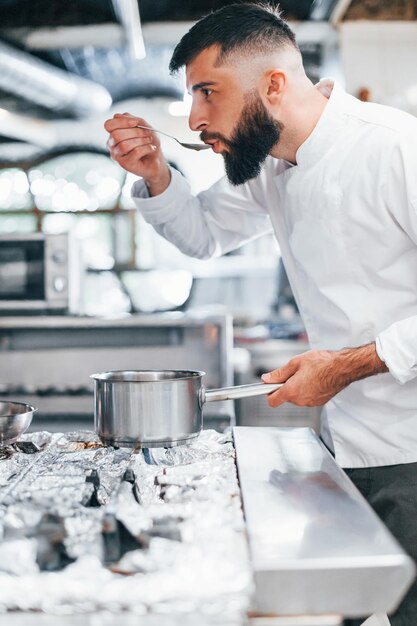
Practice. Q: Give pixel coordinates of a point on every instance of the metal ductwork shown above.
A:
(128, 14)
(35, 80)
(28, 129)
(123, 76)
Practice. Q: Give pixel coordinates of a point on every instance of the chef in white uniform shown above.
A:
(336, 180)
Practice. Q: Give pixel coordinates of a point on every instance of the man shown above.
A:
(335, 179)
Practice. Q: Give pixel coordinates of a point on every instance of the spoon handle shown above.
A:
(156, 131)
(190, 146)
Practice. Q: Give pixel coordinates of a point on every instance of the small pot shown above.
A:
(157, 408)
(15, 419)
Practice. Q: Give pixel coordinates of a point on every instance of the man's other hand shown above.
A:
(313, 378)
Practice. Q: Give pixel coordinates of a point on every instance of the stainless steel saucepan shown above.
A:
(157, 408)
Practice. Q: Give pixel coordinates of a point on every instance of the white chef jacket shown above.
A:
(345, 217)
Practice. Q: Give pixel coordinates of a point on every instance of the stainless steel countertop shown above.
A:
(316, 545)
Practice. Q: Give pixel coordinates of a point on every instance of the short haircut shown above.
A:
(246, 28)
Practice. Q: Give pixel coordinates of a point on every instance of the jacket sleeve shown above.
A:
(210, 224)
(397, 347)
(397, 344)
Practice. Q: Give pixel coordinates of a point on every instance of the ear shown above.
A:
(273, 86)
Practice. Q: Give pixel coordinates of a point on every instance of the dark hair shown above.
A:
(248, 27)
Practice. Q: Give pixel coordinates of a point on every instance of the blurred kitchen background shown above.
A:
(85, 284)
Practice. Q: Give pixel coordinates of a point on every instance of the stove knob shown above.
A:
(59, 256)
(29, 390)
(60, 284)
(45, 390)
(5, 390)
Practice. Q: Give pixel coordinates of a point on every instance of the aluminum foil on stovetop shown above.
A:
(87, 528)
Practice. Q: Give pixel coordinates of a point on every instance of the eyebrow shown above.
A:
(201, 85)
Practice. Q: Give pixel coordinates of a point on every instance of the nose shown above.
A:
(197, 119)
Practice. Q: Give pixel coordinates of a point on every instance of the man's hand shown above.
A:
(313, 378)
(138, 151)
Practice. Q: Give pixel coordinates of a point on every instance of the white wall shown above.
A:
(381, 56)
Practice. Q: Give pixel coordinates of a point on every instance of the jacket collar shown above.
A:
(331, 122)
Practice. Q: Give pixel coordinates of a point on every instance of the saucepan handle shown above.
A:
(241, 391)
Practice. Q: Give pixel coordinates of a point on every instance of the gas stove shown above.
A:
(89, 528)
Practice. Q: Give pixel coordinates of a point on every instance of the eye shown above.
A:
(206, 92)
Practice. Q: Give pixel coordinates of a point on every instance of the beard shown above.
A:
(252, 140)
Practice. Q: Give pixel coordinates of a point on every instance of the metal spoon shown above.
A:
(190, 146)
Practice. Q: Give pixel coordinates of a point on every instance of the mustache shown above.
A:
(206, 136)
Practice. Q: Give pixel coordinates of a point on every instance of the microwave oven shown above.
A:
(39, 273)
